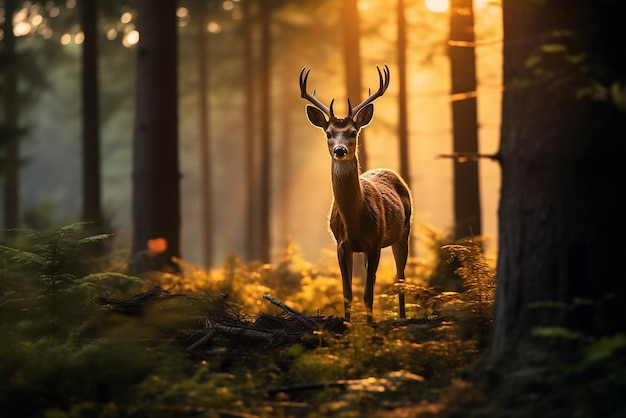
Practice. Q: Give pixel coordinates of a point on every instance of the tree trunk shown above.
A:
(205, 138)
(561, 218)
(156, 177)
(403, 120)
(249, 126)
(285, 148)
(91, 116)
(11, 115)
(352, 63)
(266, 140)
(464, 119)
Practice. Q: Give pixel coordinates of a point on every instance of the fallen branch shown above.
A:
(272, 337)
(292, 311)
(463, 157)
(208, 337)
(134, 305)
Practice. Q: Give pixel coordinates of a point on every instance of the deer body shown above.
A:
(370, 211)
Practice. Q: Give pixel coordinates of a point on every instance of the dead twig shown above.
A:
(208, 337)
(308, 321)
(464, 157)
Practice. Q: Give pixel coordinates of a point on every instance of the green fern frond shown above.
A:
(28, 258)
(94, 238)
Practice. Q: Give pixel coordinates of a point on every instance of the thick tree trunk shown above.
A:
(561, 212)
(467, 216)
(156, 177)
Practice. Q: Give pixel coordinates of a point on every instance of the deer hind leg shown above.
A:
(344, 256)
(373, 258)
(400, 254)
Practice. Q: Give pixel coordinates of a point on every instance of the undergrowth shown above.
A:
(65, 354)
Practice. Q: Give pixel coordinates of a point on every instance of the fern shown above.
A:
(479, 277)
(55, 258)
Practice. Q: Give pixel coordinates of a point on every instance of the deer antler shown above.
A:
(304, 75)
(384, 83)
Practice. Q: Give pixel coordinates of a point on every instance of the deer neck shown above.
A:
(347, 190)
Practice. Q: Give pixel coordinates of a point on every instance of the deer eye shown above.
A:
(353, 134)
(328, 135)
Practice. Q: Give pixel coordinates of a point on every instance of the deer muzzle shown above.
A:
(340, 151)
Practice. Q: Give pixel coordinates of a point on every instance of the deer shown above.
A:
(369, 211)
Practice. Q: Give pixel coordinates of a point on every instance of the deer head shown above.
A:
(342, 133)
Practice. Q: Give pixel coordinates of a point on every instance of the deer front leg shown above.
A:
(373, 258)
(400, 254)
(344, 255)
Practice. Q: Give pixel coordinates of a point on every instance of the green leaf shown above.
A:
(552, 48)
(94, 238)
(26, 258)
(555, 332)
(605, 347)
(618, 94)
(532, 61)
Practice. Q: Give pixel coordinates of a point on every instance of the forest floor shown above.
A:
(298, 365)
(215, 344)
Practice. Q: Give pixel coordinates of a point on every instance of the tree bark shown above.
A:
(11, 116)
(249, 126)
(91, 116)
(467, 214)
(205, 137)
(403, 120)
(351, 40)
(561, 218)
(156, 176)
(266, 138)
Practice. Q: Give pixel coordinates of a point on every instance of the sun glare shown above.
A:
(437, 6)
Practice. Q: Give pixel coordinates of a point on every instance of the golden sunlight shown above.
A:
(213, 27)
(437, 6)
(440, 6)
(126, 17)
(130, 39)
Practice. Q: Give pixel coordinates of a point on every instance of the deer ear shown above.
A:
(316, 117)
(364, 117)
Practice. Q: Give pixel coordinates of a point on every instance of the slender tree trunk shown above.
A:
(156, 176)
(352, 63)
(285, 149)
(266, 139)
(91, 116)
(11, 115)
(464, 119)
(205, 138)
(403, 123)
(249, 122)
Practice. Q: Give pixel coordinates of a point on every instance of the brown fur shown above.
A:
(369, 211)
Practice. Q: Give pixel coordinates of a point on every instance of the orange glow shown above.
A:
(213, 27)
(437, 6)
(440, 6)
(156, 246)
